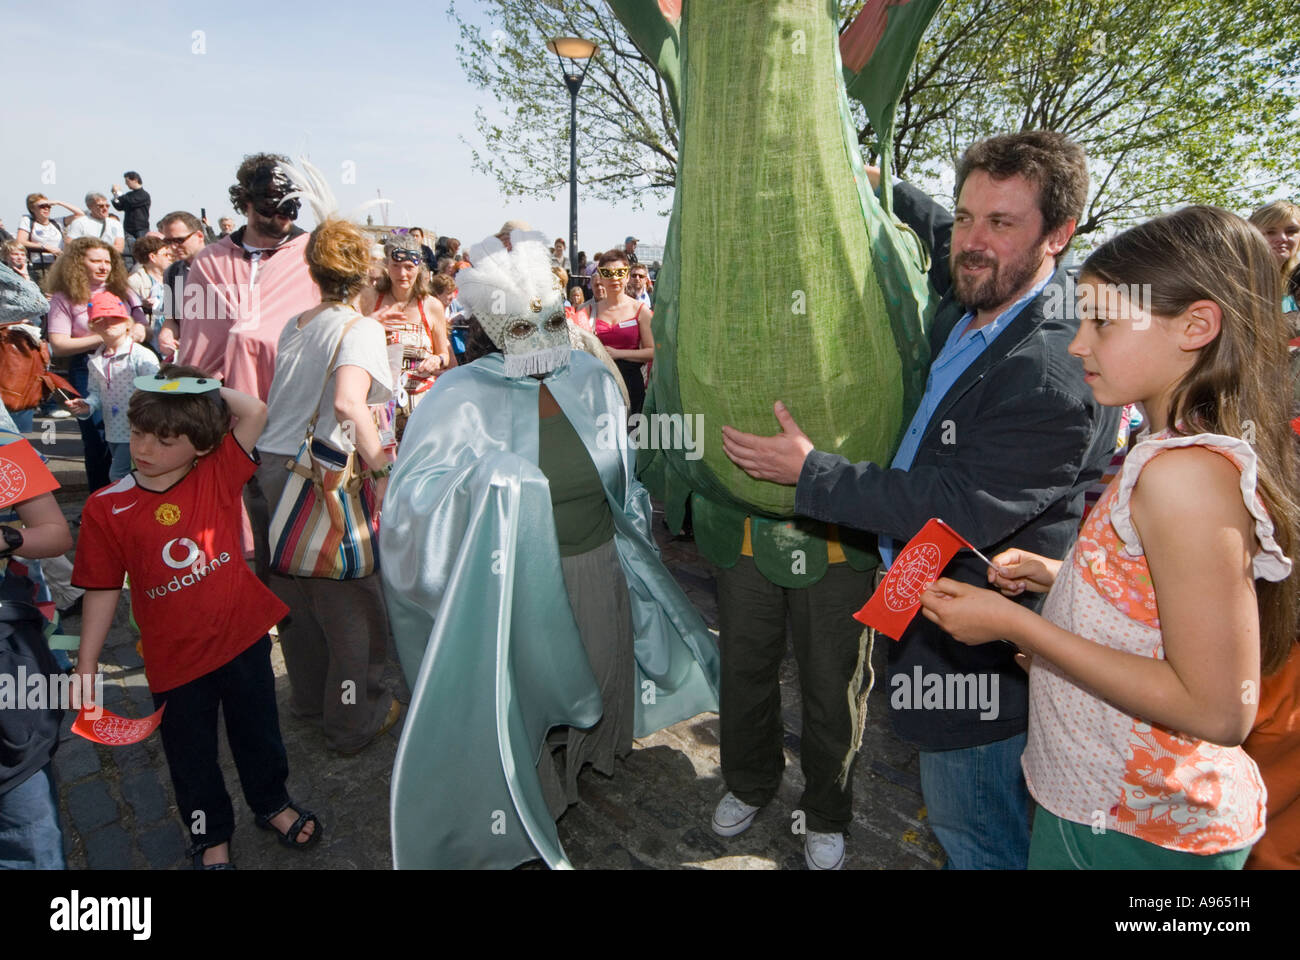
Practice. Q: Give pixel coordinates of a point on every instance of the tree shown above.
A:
(1175, 101)
(627, 138)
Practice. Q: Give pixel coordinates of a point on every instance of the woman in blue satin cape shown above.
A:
(534, 620)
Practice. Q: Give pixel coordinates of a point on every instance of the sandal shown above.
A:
(200, 865)
(290, 837)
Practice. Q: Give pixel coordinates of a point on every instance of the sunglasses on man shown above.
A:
(177, 241)
(272, 207)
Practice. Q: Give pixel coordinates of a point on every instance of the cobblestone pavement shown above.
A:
(119, 813)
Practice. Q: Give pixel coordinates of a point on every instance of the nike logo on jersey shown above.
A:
(117, 510)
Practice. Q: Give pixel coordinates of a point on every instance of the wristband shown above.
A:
(13, 539)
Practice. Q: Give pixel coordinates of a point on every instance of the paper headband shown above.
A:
(157, 383)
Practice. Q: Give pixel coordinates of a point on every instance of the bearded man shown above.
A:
(1005, 441)
(243, 289)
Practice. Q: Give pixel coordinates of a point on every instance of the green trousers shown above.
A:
(1057, 844)
(830, 650)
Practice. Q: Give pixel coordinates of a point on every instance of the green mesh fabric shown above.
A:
(783, 277)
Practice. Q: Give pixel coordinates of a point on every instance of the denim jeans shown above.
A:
(121, 461)
(23, 419)
(978, 804)
(30, 838)
(94, 447)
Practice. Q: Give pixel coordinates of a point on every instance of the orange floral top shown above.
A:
(1089, 762)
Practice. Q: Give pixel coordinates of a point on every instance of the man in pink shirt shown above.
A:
(243, 289)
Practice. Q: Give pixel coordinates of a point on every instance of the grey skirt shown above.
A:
(598, 595)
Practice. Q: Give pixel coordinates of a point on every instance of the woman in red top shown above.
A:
(623, 325)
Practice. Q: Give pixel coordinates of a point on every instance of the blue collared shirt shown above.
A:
(958, 353)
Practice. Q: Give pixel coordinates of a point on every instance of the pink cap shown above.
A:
(105, 304)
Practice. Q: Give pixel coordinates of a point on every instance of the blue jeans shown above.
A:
(23, 419)
(978, 805)
(94, 447)
(121, 463)
(30, 838)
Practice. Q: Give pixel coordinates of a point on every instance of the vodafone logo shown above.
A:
(192, 560)
(193, 555)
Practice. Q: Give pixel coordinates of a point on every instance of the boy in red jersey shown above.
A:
(173, 524)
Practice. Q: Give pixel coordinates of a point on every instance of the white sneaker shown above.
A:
(58, 413)
(732, 816)
(823, 851)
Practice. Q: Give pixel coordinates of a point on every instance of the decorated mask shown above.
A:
(518, 301)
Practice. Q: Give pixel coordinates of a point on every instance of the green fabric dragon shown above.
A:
(784, 277)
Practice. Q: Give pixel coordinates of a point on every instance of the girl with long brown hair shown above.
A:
(1147, 658)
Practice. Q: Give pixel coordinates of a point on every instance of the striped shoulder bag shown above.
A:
(326, 523)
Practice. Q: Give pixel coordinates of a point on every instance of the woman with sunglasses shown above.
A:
(415, 321)
(622, 324)
(42, 237)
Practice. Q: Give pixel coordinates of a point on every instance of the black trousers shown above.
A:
(634, 377)
(244, 689)
(828, 647)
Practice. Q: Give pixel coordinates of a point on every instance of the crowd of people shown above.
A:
(454, 395)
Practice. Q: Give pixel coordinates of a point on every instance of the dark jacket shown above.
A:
(1025, 439)
(135, 204)
(29, 733)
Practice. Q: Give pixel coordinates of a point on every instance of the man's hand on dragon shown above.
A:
(777, 458)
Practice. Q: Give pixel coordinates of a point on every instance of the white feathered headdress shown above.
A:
(518, 301)
(315, 189)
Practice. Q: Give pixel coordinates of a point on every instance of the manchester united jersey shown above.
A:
(196, 602)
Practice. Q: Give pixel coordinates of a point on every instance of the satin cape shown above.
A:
(482, 621)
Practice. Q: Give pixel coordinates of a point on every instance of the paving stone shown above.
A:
(132, 757)
(109, 848)
(145, 795)
(163, 845)
(126, 655)
(75, 758)
(90, 805)
(114, 696)
(141, 699)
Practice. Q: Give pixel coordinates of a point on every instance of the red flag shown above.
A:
(115, 731)
(895, 602)
(22, 474)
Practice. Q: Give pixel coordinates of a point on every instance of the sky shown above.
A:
(181, 91)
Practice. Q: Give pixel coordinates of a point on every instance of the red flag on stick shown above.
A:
(22, 474)
(115, 731)
(895, 602)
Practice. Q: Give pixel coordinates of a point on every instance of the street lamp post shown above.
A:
(573, 49)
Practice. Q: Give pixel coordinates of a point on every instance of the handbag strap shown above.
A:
(329, 372)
